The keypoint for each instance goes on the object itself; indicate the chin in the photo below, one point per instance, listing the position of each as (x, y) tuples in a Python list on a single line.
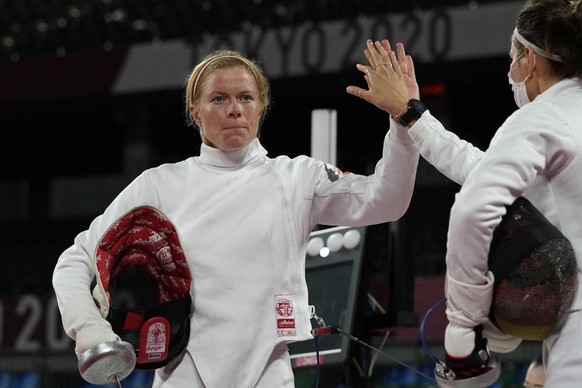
[(235, 145)]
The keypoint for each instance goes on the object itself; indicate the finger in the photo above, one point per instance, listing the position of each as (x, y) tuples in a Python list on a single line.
[(368, 56), (394, 62), (367, 78), (402, 57), (376, 57), (410, 66), (356, 91), (369, 53), (381, 48), (386, 45), (363, 68)]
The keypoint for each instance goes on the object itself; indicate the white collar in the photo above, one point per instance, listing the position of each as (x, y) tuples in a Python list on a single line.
[(232, 159)]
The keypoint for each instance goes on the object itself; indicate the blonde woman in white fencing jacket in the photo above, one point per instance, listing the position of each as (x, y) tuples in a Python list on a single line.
[(244, 220)]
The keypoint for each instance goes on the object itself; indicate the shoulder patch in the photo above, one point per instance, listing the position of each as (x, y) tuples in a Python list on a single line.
[(333, 173)]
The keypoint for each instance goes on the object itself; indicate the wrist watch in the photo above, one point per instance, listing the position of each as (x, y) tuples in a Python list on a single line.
[(415, 110)]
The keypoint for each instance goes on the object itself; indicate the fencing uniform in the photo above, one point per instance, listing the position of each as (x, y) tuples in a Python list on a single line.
[(537, 153), (244, 220)]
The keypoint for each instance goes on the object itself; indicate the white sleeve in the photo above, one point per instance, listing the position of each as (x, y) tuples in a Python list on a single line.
[(354, 199), (524, 148), (453, 157), (75, 271)]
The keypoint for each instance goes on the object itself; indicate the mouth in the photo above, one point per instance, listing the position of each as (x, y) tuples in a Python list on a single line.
[(235, 128)]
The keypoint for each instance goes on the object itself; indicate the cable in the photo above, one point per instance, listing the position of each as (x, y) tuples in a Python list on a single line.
[(375, 356), (317, 358), (358, 367), (442, 370), (337, 330), (423, 337), (327, 330), (317, 332)]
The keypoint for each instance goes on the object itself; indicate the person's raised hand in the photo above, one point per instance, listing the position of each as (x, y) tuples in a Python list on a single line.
[(388, 87), (407, 68)]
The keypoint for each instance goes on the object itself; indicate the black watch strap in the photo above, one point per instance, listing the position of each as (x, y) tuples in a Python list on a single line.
[(415, 110)]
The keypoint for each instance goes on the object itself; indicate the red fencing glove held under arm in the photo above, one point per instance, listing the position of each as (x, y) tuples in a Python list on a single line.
[(88, 327)]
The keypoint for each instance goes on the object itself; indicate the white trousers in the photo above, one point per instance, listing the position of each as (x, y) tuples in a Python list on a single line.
[(182, 373)]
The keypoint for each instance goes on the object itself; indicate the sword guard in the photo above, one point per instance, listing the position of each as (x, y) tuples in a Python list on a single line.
[(107, 363), (446, 378)]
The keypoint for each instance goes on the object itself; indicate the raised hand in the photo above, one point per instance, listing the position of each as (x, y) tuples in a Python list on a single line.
[(407, 68), (391, 81)]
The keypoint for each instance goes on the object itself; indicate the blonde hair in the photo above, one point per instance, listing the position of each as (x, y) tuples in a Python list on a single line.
[(224, 59)]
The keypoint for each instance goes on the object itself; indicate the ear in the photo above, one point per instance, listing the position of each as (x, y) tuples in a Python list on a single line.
[(530, 54), (194, 115)]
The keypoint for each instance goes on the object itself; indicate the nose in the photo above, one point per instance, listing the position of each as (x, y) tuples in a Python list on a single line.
[(234, 109)]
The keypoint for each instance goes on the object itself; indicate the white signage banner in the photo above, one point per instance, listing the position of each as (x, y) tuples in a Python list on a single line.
[(433, 35)]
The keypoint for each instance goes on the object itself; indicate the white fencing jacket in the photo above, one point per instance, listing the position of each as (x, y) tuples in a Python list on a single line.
[(537, 153), (244, 220)]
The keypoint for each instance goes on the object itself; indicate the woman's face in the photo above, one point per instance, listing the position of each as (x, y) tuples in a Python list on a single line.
[(229, 110), (535, 377)]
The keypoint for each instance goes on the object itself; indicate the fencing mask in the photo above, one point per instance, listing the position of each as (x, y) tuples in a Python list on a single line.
[(535, 273), (144, 276)]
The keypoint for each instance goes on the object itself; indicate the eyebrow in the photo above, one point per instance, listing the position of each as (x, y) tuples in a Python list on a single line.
[(237, 93)]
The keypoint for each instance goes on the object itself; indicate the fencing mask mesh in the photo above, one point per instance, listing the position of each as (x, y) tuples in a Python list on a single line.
[(145, 276), (535, 273)]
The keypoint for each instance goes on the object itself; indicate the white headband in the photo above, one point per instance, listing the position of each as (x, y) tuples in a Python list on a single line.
[(535, 48), (245, 61)]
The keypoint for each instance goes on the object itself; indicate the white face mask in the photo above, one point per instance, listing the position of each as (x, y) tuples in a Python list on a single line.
[(519, 89)]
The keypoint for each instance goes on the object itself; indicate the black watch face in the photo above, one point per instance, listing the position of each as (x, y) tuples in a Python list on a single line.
[(417, 106), (415, 110)]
